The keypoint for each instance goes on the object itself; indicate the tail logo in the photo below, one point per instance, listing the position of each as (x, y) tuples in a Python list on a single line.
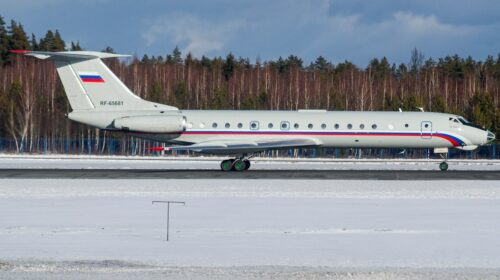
[(90, 77)]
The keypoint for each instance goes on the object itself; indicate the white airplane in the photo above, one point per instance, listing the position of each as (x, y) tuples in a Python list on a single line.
[(99, 99)]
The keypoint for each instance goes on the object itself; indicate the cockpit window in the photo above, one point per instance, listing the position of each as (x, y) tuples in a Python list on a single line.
[(467, 123)]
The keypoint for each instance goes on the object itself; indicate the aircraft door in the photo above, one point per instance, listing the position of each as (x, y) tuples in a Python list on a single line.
[(426, 130)]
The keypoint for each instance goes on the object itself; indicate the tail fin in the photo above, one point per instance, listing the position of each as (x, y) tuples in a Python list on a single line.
[(90, 84)]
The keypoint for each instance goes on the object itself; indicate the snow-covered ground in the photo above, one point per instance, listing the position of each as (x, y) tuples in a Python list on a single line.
[(249, 229), (119, 162)]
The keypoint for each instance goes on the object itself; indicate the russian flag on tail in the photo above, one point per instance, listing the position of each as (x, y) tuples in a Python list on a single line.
[(90, 77)]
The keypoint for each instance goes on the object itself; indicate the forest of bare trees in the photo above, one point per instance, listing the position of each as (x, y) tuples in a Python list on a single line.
[(33, 104)]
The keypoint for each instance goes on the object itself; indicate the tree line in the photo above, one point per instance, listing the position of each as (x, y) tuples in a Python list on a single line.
[(33, 104)]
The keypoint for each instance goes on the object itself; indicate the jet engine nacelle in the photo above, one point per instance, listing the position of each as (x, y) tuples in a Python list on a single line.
[(152, 124)]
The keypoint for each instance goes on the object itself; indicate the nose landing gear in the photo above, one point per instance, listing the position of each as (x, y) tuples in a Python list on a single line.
[(237, 164), (444, 165), (443, 152)]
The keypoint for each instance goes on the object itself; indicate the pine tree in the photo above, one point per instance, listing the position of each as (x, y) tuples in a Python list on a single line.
[(145, 59), (322, 64), (176, 55), (482, 110), (18, 39), (75, 47), (34, 43), (228, 67), (59, 44), (206, 62), (52, 42), (4, 42), (108, 49), (293, 61), (47, 42), (416, 60)]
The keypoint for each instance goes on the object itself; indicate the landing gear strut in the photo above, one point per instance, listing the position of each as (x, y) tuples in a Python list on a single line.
[(443, 152), (237, 164), (444, 165)]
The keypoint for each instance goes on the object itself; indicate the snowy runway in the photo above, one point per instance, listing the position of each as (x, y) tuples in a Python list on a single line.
[(246, 228)]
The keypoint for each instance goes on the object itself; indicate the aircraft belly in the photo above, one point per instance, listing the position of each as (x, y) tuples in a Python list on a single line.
[(341, 141), (383, 142), (197, 138)]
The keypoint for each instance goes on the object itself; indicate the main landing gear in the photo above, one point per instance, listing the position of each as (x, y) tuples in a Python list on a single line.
[(236, 164)]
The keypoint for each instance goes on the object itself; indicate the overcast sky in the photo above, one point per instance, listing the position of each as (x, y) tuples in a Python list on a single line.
[(338, 30)]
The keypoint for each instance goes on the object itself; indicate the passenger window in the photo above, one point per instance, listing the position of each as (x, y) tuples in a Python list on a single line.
[(227, 125), (310, 126), (240, 125), (336, 126), (349, 126), (361, 126), (426, 125), (214, 125), (254, 125), (374, 126), (285, 125), (323, 126), (270, 125), (406, 125), (296, 125)]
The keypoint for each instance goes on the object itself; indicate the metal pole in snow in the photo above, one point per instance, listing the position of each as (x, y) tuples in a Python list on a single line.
[(168, 219), (168, 211)]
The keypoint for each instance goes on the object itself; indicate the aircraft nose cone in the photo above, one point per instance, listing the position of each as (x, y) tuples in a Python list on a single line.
[(491, 137)]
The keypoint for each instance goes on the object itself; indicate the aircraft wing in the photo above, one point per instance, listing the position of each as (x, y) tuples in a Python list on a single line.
[(245, 146)]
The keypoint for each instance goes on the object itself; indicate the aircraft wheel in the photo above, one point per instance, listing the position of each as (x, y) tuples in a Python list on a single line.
[(239, 165), (226, 165), (443, 166), (247, 164)]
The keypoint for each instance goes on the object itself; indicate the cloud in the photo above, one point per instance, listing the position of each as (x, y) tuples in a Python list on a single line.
[(309, 28), (351, 37), (426, 24), (191, 33)]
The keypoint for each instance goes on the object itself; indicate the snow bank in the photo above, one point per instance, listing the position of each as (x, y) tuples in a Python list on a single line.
[(118, 162)]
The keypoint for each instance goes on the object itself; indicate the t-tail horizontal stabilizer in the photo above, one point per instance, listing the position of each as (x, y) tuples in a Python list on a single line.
[(91, 86)]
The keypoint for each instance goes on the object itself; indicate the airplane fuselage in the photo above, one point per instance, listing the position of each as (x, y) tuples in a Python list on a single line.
[(343, 129)]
